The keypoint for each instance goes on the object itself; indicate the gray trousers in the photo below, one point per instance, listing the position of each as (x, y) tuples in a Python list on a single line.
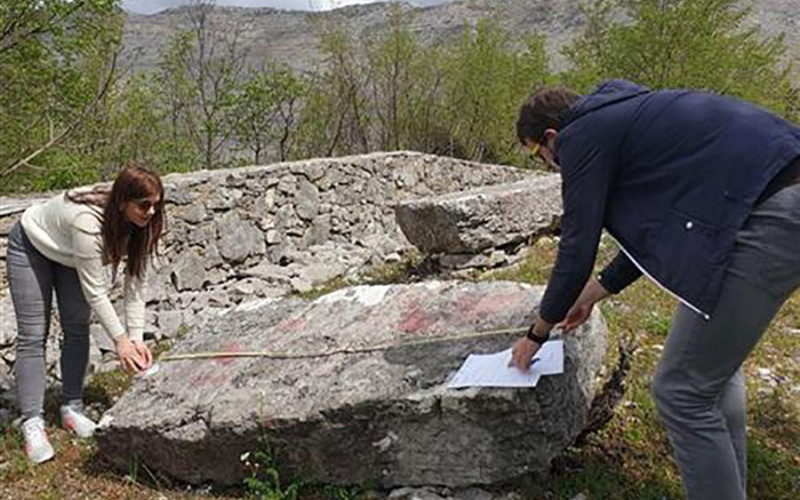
[(699, 387), (32, 277)]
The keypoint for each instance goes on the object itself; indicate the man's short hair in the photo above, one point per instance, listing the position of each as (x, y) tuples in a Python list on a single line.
[(544, 109)]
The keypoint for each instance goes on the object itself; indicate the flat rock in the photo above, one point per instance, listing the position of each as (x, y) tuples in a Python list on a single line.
[(269, 272), (365, 398), (189, 272), (8, 321), (473, 221), (238, 238)]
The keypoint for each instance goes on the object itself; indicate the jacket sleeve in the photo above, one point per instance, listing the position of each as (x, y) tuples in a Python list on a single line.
[(619, 273), (586, 170)]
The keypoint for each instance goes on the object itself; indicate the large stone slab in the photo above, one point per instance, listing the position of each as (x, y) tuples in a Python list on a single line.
[(380, 412), (473, 221)]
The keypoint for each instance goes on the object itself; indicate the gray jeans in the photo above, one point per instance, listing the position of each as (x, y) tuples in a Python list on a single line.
[(699, 387), (32, 277)]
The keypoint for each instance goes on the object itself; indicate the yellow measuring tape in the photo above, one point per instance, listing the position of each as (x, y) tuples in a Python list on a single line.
[(346, 350)]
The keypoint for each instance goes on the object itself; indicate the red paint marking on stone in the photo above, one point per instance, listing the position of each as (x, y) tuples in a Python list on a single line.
[(213, 377), (492, 304), (201, 380), (219, 378), (466, 304), (416, 320), (228, 347), (291, 325)]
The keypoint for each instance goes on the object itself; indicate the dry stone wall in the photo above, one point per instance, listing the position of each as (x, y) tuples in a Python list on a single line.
[(260, 232)]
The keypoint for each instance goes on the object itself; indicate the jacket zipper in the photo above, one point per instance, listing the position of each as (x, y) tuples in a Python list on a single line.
[(685, 302)]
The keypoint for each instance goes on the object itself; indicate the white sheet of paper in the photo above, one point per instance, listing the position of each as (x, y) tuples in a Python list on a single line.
[(492, 370)]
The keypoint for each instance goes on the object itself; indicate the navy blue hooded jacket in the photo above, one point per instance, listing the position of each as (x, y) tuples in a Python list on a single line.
[(672, 175)]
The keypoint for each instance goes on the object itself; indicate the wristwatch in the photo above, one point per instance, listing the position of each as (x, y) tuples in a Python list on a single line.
[(531, 335)]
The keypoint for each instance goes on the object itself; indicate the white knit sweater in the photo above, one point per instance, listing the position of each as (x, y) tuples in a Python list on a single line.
[(69, 233)]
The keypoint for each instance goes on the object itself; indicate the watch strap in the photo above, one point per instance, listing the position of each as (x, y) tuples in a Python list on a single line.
[(531, 335)]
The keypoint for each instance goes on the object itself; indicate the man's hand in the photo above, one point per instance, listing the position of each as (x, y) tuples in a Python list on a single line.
[(580, 311), (522, 353), (577, 315), (129, 356)]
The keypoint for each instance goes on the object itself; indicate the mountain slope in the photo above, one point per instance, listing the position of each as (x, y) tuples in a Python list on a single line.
[(290, 36)]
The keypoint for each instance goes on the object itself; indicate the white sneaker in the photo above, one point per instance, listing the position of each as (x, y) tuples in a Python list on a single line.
[(37, 446), (77, 422)]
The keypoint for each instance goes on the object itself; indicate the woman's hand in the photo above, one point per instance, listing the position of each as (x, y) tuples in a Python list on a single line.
[(129, 355), (144, 352)]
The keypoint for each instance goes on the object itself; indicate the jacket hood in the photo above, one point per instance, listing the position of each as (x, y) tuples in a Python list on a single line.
[(605, 94)]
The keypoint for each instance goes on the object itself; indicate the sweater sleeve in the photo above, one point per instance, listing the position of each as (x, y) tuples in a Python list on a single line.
[(134, 307), (586, 171), (92, 274)]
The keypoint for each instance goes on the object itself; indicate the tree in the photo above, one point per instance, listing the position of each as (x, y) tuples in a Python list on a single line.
[(697, 44), (133, 126), (57, 64), (486, 81), (335, 118), (405, 87), (266, 108), (199, 74)]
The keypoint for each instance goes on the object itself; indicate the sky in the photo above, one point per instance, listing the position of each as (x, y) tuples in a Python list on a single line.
[(152, 6)]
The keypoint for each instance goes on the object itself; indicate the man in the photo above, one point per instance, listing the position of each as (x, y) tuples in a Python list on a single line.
[(701, 193)]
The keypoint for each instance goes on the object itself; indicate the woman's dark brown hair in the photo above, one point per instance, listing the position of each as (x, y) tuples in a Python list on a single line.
[(122, 238)]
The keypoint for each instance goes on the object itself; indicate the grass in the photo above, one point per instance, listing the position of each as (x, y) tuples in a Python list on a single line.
[(629, 459)]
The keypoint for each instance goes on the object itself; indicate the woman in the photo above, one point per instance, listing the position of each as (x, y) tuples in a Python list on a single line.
[(64, 245)]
